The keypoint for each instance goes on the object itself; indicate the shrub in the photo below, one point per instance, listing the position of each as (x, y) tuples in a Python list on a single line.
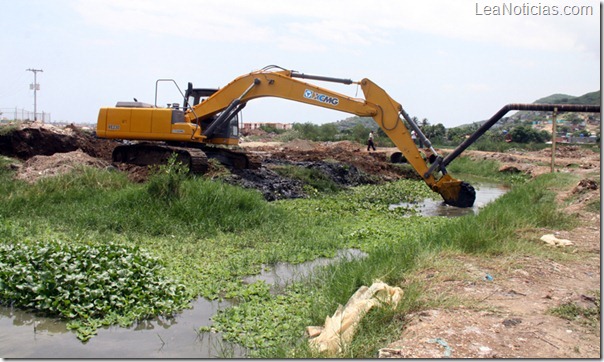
[(166, 180)]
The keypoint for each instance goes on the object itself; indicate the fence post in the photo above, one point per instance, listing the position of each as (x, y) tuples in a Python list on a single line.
[(554, 131)]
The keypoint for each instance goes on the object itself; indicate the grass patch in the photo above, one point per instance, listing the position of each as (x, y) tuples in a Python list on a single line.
[(589, 316), (485, 168)]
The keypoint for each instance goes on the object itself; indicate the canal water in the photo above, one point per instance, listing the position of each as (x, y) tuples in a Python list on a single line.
[(25, 335), (485, 193)]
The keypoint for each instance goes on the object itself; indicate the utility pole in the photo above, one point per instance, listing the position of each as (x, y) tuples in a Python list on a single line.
[(554, 131), (35, 87)]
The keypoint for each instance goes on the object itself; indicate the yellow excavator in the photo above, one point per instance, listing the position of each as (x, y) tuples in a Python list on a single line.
[(209, 117)]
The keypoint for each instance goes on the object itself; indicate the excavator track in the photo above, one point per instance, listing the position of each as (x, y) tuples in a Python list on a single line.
[(195, 156), (233, 158), (149, 153)]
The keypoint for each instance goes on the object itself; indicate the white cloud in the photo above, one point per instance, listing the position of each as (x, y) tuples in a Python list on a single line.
[(351, 22)]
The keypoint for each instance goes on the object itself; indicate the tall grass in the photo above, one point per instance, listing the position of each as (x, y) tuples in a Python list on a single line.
[(107, 201)]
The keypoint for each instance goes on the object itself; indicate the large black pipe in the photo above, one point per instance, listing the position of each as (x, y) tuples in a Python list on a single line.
[(516, 107)]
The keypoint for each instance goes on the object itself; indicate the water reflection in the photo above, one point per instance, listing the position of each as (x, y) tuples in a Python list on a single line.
[(281, 274), (25, 335)]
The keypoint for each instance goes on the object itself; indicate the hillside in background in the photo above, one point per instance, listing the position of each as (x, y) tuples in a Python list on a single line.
[(588, 98), (350, 122), (522, 116)]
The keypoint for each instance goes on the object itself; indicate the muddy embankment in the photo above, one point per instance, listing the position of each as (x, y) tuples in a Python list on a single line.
[(46, 150)]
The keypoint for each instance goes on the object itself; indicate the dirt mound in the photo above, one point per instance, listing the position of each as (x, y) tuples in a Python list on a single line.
[(44, 166), (300, 145), (31, 139), (350, 153), (567, 151)]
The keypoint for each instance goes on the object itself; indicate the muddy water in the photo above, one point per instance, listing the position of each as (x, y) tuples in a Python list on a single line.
[(25, 335), (283, 273), (485, 193)]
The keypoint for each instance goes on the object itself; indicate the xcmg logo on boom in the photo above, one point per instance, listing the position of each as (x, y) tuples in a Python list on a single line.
[(334, 101)]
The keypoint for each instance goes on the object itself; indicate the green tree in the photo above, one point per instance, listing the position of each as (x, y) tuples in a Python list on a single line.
[(424, 123), (327, 132), (526, 134), (435, 133), (359, 133), (308, 131)]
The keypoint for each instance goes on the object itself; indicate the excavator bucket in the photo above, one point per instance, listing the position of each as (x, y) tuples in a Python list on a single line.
[(455, 192)]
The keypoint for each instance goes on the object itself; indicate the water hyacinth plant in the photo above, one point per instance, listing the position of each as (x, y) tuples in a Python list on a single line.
[(90, 285)]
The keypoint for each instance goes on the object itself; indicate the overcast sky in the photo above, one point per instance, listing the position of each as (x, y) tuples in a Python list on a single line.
[(452, 62)]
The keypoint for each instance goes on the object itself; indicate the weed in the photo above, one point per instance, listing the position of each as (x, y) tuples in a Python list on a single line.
[(208, 235), (166, 180), (589, 316)]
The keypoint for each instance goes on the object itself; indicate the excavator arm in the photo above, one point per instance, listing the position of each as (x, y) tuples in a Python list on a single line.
[(386, 112)]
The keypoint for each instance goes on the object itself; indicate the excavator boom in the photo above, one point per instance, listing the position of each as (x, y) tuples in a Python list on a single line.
[(210, 120), (386, 112)]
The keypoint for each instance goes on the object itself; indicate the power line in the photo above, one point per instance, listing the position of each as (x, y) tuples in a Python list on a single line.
[(35, 87)]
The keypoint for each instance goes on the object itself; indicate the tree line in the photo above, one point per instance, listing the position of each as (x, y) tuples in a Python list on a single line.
[(357, 129)]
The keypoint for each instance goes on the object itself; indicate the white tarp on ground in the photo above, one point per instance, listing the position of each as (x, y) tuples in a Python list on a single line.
[(339, 329)]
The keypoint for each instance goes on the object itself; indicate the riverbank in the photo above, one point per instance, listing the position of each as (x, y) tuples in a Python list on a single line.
[(537, 303)]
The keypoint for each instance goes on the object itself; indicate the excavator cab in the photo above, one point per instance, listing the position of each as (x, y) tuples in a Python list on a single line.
[(227, 133)]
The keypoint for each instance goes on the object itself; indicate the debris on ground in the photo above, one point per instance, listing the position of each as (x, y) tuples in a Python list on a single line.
[(552, 240), (585, 185), (504, 318), (343, 162), (339, 329)]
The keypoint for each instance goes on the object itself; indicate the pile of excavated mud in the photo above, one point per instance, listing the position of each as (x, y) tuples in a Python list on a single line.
[(60, 163), (268, 182), (30, 139), (346, 152)]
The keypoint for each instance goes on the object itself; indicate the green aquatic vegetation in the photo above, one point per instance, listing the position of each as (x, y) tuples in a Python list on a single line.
[(265, 322), (89, 285), (209, 237)]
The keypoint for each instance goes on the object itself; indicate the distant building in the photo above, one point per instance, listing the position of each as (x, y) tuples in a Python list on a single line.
[(251, 126)]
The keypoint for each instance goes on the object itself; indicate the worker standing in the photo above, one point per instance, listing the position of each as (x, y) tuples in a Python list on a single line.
[(370, 142)]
